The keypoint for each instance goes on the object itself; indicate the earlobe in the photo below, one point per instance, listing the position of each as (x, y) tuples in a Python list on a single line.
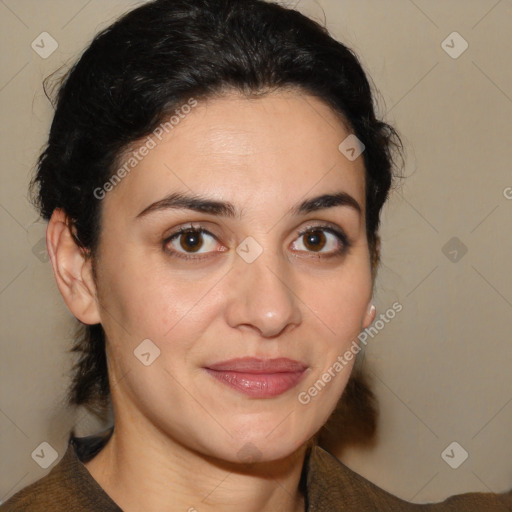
[(72, 269), (370, 315)]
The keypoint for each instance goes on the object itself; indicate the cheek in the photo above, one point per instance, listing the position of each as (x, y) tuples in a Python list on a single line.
[(341, 302), (148, 301)]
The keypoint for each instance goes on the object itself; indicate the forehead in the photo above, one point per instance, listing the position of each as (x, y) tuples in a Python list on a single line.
[(280, 146)]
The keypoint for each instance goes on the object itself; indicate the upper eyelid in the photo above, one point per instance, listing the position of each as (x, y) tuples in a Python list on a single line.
[(200, 228)]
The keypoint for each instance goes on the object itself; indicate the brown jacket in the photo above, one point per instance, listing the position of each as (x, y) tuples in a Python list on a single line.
[(329, 486)]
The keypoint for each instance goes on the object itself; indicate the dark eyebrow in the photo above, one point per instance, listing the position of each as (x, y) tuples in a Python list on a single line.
[(180, 201), (326, 201), (226, 209)]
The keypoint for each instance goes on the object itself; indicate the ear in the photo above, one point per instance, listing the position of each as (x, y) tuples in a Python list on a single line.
[(72, 269), (369, 316)]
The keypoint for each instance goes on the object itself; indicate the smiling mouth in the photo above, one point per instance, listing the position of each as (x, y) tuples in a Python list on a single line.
[(259, 378)]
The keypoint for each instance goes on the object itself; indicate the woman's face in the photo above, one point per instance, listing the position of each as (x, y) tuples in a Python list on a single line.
[(216, 335)]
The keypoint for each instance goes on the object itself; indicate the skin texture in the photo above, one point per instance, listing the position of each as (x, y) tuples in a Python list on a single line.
[(180, 434)]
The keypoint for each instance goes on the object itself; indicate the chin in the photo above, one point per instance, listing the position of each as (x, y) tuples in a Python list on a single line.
[(257, 451), (266, 442)]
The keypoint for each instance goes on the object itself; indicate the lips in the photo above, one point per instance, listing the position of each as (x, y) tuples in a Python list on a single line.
[(256, 366), (259, 378)]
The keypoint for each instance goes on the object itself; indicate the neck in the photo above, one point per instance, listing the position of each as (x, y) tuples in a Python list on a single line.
[(141, 468)]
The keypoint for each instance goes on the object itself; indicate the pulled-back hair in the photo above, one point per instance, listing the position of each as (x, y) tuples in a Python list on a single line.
[(139, 70)]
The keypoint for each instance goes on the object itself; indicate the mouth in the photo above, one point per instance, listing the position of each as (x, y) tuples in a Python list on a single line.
[(259, 378)]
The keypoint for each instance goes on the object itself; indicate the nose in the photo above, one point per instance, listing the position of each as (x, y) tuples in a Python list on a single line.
[(262, 298)]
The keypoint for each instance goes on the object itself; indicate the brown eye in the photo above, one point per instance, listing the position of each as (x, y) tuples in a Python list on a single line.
[(323, 240), (191, 240), (315, 240)]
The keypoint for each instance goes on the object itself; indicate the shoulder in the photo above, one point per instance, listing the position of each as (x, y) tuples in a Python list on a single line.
[(68, 486), (49, 493), (333, 486)]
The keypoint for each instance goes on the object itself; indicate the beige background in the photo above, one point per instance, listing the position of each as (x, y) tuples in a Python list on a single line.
[(442, 367)]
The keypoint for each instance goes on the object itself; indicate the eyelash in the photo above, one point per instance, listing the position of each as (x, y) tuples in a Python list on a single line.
[(338, 233)]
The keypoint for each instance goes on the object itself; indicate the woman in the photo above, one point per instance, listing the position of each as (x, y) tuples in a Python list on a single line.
[(213, 182)]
